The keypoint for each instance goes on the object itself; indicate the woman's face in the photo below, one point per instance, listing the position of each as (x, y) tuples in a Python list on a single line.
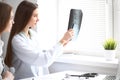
[(34, 19), (10, 23)]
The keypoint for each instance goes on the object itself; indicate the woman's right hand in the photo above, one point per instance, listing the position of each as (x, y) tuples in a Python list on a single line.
[(67, 37), (8, 76)]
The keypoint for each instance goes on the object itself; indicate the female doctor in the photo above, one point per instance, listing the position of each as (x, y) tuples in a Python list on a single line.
[(23, 50), (6, 21)]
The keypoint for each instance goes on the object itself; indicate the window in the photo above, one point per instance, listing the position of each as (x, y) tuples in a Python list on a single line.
[(97, 24)]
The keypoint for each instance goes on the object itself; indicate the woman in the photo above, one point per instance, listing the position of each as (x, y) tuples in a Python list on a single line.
[(23, 51), (6, 21)]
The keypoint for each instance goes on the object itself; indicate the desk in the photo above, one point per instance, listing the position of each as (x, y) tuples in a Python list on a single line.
[(62, 76)]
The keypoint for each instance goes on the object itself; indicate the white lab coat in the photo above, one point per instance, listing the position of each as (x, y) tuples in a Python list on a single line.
[(28, 58), (1, 58)]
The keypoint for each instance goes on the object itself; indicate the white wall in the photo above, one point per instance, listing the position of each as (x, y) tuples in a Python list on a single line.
[(117, 22), (58, 66), (14, 3)]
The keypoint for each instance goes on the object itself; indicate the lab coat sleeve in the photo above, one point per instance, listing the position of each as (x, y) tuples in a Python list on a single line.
[(30, 55)]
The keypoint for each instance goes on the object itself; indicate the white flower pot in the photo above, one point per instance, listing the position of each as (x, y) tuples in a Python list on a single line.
[(109, 54)]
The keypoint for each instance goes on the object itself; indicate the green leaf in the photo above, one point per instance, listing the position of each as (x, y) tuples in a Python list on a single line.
[(110, 44)]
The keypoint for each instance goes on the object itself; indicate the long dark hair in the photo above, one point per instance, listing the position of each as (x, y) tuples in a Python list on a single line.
[(22, 16), (5, 11)]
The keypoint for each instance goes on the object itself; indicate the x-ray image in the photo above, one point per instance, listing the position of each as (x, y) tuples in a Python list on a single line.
[(75, 19)]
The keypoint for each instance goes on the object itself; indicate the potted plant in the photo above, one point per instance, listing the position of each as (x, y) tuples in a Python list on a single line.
[(110, 48)]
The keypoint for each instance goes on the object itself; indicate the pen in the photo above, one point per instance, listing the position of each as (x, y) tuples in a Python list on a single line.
[(84, 75)]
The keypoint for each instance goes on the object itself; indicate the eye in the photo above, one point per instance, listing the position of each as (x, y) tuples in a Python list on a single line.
[(35, 15)]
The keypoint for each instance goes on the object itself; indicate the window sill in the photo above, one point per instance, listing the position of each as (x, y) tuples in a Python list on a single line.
[(87, 60), (85, 63)]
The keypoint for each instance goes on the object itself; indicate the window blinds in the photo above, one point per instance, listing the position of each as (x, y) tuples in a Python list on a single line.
[(97, 24)]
